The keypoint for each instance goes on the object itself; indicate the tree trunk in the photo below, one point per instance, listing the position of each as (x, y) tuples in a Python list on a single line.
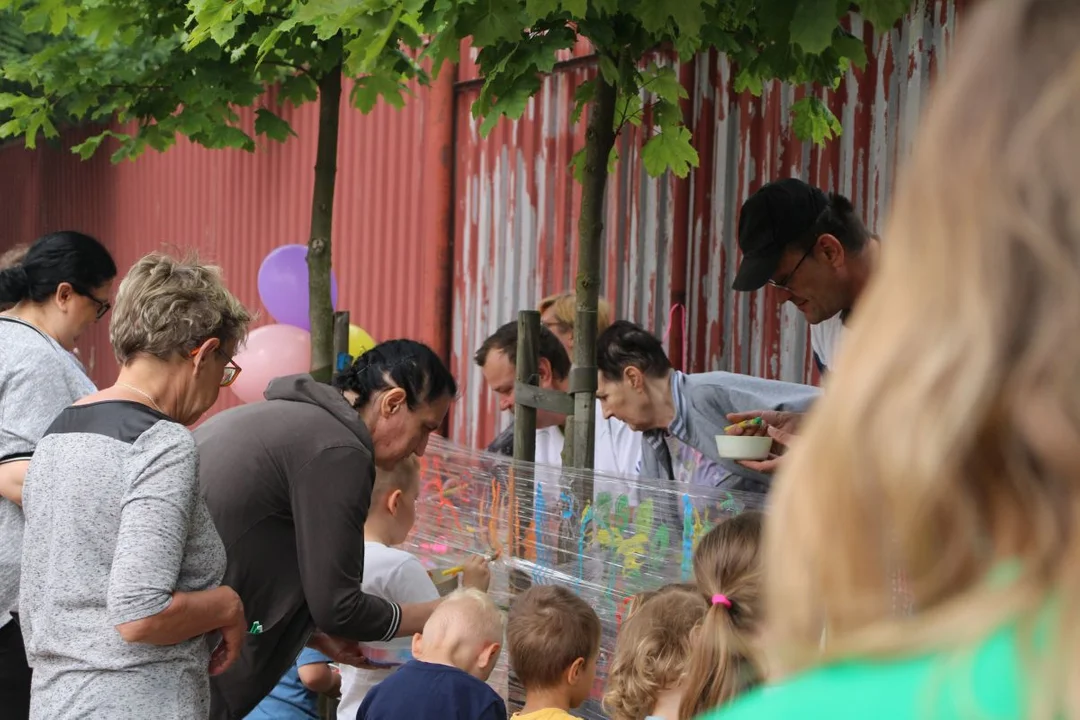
[(322, 217), (599, 140)]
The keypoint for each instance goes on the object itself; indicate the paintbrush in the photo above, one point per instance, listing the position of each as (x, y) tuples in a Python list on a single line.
[(457, 569), (746, 423)]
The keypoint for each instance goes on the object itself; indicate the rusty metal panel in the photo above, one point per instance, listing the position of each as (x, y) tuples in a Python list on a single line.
[(746, 141), (516, 203), (514, 207), (234, 207), (516, 230)]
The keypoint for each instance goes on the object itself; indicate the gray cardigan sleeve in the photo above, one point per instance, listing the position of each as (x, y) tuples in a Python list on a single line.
[(155, 518)]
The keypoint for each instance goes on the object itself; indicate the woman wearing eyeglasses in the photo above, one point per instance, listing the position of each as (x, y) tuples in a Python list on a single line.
[(122, 608), (50, 295)]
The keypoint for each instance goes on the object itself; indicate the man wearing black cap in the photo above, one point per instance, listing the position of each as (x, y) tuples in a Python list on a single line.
[(815, 252), (813, 249)]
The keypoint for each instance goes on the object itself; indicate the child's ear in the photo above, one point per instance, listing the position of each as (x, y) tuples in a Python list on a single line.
[(393, 500), (489, 656), (417, 645), (573, 675)]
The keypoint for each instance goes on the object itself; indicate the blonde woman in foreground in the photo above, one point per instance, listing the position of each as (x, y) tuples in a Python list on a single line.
[(947, 444)]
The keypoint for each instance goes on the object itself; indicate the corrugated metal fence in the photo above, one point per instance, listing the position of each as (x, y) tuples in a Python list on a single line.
[(442, 235), (672, 242)]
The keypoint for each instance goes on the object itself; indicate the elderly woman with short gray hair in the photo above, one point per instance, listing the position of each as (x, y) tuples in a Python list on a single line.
[(124, 614)]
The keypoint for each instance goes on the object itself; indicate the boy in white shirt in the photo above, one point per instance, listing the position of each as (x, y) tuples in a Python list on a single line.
[(395, 575)]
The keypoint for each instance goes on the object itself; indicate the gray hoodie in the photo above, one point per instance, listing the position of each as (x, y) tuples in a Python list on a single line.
[(288, 483)]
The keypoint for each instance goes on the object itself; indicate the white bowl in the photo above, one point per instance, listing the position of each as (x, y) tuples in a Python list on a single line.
[(744, 447)]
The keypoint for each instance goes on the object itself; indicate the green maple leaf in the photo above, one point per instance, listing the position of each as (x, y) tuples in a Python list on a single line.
[(689, 15), (850, 48), (490, 21), (89, 146), (628, 110), (665, 85), (537, 9), (101, 24), (583, 95), (298, 89), (368, 89), (813, 24), (813, 120), (654, 15), (576, 8), (272, 126), (669, 149), (748, 81), (883, 14)]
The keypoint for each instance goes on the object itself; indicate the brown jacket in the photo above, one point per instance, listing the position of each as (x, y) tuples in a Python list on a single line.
[(288, 483)]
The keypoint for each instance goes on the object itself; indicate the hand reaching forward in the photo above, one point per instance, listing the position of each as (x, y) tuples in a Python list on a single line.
[(780, 426), (340, 650)]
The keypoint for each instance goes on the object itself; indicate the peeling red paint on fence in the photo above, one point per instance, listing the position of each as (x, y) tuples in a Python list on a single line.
[(442, 235)]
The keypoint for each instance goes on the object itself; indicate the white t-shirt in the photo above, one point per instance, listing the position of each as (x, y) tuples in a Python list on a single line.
[(617, 452), (825, 339), (397, 576)]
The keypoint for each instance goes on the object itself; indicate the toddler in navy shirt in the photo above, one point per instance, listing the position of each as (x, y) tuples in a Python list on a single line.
[(454, 657)]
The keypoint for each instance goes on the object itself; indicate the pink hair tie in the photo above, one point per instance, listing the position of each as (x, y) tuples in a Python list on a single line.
[(719, 599)]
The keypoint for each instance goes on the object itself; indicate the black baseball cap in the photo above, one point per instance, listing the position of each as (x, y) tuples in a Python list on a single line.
[(778, 215)]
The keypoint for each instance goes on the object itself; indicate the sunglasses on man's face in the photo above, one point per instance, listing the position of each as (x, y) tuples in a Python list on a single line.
[(232, 370)]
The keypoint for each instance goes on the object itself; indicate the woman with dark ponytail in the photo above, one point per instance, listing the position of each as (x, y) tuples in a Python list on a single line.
[(726, 657), (288, 483), (59, 288)]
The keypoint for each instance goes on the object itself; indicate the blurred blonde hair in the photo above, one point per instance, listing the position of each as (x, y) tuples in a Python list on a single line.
[(167, 306), (726, 659), (404, 476), (564, 306), (466, 615), (948, 439), (652, 649)]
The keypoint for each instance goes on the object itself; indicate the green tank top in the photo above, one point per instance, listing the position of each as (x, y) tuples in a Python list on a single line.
[(988, 681)]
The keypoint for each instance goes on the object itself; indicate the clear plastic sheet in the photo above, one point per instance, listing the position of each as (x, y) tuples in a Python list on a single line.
[(605, 552)]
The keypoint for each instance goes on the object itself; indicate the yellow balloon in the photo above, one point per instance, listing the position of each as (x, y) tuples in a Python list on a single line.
[(359, 341)]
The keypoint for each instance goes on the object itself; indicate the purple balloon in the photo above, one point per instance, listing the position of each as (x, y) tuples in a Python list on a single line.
[(283, 286)]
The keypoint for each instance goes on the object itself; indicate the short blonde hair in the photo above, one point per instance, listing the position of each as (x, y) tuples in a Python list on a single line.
[(404, 476), (166, 306), (466, 613), (653, 649), (564, 305)]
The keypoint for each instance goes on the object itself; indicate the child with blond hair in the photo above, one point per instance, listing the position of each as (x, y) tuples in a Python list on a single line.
[(651, 654), (453, 658), (726, 659), (394, 574), (554, 641)]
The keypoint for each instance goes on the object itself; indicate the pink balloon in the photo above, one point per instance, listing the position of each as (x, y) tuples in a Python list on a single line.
[(271, 351)]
